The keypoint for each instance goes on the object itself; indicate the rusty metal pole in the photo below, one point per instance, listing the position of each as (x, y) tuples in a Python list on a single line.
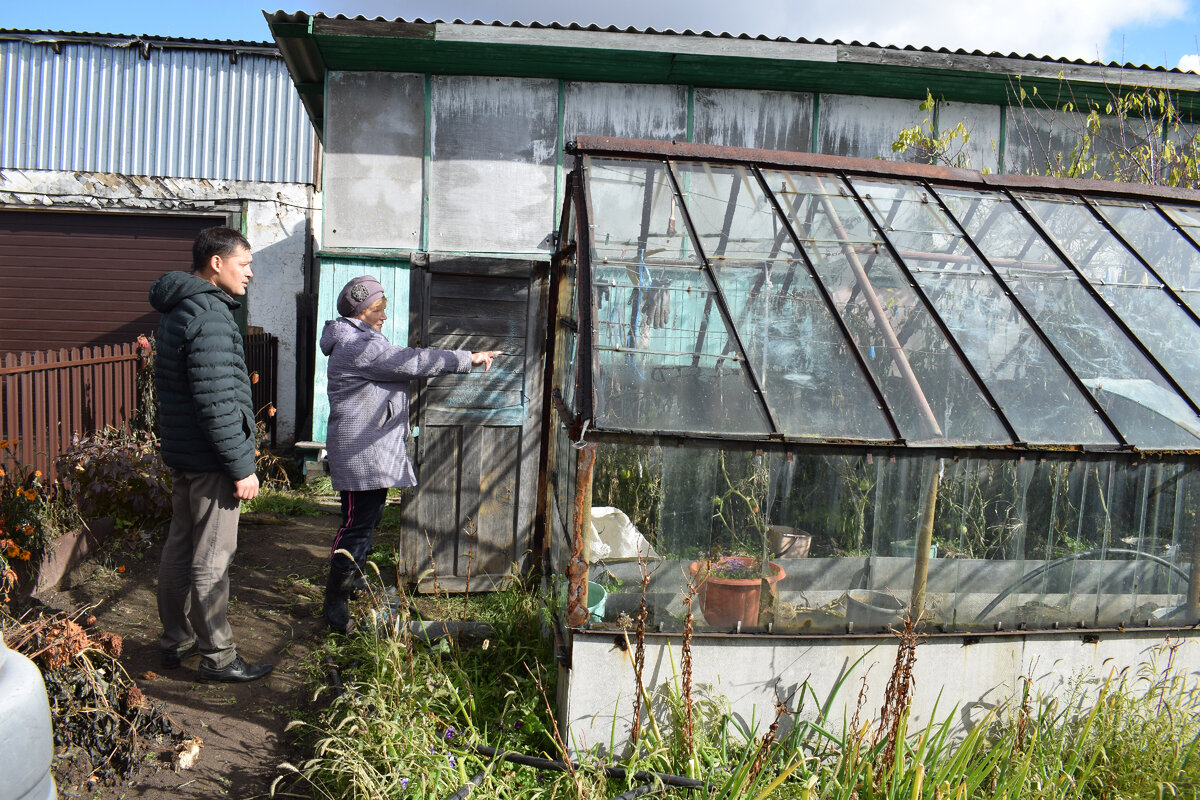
[(577, 570)]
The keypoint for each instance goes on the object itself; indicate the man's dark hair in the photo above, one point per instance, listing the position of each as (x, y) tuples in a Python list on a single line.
[(222, 242)]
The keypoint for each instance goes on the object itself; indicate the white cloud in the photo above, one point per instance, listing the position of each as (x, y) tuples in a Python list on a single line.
[(1189, 63), (1059, 28)]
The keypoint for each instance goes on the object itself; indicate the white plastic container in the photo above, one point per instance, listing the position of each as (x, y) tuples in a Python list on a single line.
[(26, 737)]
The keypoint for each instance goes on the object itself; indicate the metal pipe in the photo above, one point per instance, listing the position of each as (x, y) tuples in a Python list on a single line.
[(665, 778), (830, 305), (577, 569), (881, 320)]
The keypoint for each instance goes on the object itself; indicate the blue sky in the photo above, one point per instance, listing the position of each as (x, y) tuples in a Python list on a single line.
[(1155, 32)]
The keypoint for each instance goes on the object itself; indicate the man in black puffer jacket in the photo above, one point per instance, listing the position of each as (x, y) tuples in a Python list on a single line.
[(206, 420)]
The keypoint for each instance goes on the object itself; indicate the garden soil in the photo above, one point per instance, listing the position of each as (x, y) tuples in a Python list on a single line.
[(276, 585)]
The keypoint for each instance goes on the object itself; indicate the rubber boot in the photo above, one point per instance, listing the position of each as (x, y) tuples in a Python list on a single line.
[(337, 599)]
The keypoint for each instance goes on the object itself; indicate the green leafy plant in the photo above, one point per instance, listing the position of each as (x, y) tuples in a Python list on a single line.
[(119, 474)]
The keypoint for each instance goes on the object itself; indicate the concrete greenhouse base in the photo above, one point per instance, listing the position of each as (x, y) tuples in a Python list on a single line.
[(964, 676)]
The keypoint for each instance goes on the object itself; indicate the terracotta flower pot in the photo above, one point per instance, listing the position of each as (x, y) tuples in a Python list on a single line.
[(728, 601)]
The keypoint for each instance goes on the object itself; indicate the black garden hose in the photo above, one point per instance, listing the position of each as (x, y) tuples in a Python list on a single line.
[(664, 778), (1074, 557)]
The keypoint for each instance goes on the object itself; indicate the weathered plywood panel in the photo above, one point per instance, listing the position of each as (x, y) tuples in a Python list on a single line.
[(629, 111), (761, 120), (374, 151), (864, 127), (495, 144), (983, 124)]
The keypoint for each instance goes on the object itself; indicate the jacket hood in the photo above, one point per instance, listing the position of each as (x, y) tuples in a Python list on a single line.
[(339, 331), (174, 287)]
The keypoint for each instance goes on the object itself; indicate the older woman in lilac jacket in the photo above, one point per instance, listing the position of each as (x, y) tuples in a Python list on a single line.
[(368, 425)]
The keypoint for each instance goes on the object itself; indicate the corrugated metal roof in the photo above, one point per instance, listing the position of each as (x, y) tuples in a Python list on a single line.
[(151, 106), (283, 16)]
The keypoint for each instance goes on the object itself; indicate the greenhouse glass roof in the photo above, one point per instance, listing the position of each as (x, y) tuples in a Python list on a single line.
[(804, 298)]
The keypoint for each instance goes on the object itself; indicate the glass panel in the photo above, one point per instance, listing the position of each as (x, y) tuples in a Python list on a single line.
[(665, 360), (634, 219), (1019, 543), (930, 392), (1188, 220), (1173, 256), (1034, 392), (1140, 402), (1168, 332), (804, 365)]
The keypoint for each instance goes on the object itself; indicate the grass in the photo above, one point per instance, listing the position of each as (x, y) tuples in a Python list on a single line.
[(409, 716)]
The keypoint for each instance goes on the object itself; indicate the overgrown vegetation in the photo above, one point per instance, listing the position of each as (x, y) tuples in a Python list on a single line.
[(408, 720), (118, 473), (1136, 135)]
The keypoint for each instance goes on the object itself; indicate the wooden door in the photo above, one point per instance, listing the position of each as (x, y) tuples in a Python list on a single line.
[(470, 518)]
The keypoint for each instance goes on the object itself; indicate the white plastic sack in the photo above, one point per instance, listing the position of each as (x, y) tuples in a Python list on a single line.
[(613, 536)]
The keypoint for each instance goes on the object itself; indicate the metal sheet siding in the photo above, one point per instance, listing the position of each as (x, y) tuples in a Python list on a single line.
[(185, 113)]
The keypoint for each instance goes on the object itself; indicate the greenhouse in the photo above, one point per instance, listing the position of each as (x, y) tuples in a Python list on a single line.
[(808, 396)]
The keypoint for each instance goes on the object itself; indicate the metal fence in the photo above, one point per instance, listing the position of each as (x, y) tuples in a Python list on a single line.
[(47, 398), (262, 361)]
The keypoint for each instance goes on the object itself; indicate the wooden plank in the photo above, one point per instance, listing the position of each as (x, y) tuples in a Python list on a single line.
[(481, 267), (512, 416), (437, 500), (494, 378), (470, 468), (457, 585), (453, 326), (467, 308), (480, 397), (509, 345), (490, 289), (494, 545), (530, 443)]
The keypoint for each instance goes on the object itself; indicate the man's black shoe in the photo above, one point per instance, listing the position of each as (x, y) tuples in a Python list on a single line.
[(237, 671), (174, 660)]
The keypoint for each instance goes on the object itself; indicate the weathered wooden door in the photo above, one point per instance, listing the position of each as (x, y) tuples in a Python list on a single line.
[(470, 518)]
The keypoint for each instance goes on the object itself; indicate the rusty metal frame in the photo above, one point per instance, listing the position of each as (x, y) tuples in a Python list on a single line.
[(668, 153), (584, 402), (691, 151)]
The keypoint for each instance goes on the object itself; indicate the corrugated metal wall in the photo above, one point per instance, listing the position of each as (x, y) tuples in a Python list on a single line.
[(186, 113)]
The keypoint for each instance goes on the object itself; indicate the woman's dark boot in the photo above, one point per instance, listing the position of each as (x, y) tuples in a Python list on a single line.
[(337, 599)]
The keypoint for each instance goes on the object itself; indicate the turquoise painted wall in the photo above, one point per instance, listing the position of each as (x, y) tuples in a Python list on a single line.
[(393, 275)]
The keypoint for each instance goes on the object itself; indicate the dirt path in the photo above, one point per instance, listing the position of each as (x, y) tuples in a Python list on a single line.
[(275, 585)]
